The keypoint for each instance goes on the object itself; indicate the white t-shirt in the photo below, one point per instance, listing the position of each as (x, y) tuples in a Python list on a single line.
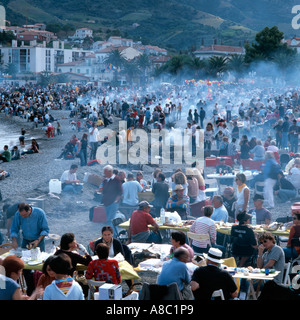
[(67, 176), (295, 177), (93, 137), (130, 192)]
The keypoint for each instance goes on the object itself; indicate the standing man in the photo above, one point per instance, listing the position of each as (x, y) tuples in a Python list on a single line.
[(93, 139), (228, 108), (294, 131), (34, 225), (202, 117), (111, 193), (160, 189)]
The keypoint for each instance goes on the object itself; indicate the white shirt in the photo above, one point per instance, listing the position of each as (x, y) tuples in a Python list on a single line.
[(68, 176), (93, 137), (130, 192)]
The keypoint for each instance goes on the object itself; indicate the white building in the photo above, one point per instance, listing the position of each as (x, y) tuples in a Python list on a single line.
[(38, 58), (83, 33)]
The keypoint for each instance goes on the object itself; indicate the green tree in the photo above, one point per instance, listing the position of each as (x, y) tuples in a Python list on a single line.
[(217, 65), (236, 63), (144, 64), (268, 43), (117, 60)]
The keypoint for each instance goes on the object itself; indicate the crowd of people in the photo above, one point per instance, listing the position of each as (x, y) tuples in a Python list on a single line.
[(240, 122)]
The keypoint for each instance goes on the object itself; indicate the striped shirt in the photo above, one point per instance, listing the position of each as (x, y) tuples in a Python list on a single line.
[(204, 225), (64, 285)]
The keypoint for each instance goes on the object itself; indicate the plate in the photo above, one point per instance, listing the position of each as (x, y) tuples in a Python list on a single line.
[(34, 262)]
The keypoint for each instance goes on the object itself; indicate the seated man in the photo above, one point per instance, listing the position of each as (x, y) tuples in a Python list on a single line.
[(228, 200), (179, 202), (69, 180), (205, 280), (263, 216), (138, 228), (284, 189), (5, 156), (220, 212), (175, 270)]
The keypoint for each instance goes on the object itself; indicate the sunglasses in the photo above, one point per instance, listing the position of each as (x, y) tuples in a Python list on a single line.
[(264, 241)]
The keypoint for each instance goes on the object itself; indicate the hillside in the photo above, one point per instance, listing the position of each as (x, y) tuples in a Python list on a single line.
[(179, 24)]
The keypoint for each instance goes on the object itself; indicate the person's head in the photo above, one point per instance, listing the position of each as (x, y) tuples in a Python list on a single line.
[(107, 233), (208, 211), (46, 269), (24, 209), (161, 177), (60, 264), (228, 193), (182, 254), (267, 239), (67, 241), (258, 201), (240, 179), (122, 174), (180, 178), (139, 175), (73, 168), (102, 251), (108, 171), (243, 217), (13, 266), (84, 136), (296, 218), (130, 176), (145, 206), (178, 238), (217, 201), (269, 155), (179, 191), (5, 147)]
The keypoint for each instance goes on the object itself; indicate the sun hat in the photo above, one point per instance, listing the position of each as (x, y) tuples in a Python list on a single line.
[(178, 187), (214, 255)]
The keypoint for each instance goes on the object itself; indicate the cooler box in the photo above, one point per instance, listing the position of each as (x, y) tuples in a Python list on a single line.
[(211, 161), (110, 291), (97, 214)]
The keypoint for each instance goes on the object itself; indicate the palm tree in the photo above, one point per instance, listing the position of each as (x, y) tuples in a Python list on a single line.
[(217, 65), (236, 63), (117, 60), (144, 64), (131, 70), (197, 65)]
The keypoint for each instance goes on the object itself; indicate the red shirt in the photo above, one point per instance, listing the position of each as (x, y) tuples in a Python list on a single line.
[(103, 270), (139, 221)]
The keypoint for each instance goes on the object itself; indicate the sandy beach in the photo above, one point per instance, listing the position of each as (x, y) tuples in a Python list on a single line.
[(30, 179)]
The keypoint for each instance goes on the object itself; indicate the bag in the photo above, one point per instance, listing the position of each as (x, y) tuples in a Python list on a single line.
[(97, 214)]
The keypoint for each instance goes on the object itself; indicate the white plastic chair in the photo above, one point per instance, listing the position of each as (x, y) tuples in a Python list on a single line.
[(133, 296), (93, 284), (198, 237), (218, 293)]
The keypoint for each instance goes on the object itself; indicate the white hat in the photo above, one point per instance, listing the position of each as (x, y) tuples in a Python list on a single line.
[(214, 255)]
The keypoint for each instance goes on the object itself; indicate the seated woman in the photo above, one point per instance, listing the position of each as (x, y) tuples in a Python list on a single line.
[(115, 246), (33, 149), (47, 274), (294, 252), (75, 251), (178, 239), (243, 239), (63, 287), (103, 269), (10, 288)]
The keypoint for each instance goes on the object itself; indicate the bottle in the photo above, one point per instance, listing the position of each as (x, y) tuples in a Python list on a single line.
[(53, 248), (254, 218), (162, 216)]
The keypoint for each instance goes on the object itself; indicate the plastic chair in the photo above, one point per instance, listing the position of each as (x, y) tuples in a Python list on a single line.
[(93, 286), (259, 187), (283, 220), (122, 235), (160, 292), (133, 296), (217, 294), (198, 237)]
